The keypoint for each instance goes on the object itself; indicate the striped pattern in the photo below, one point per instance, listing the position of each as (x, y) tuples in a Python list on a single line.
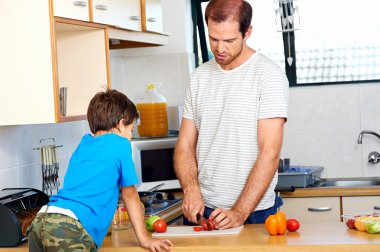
[(225, 106)]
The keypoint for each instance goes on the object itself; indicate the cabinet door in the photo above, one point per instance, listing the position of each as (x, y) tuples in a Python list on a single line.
[(359, 204), (315, 209), (74, 9), (119, 13), (82, 64), (153, 14), (26, 79)]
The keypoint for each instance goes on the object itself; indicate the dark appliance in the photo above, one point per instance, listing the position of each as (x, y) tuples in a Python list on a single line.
[(18, 207)]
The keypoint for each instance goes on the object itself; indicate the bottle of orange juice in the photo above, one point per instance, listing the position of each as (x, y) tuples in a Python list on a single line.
[(152, 107)]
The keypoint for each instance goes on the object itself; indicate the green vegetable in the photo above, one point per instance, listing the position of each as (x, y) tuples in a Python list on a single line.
[(372, 227)]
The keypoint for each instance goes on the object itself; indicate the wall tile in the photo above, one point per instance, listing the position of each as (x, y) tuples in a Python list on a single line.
[(341, 109), (8, 178), (343, 155), (369, 107), (305, 111), (8, 146), (306, 149), (132, 75), (25, 145), (30, 176)]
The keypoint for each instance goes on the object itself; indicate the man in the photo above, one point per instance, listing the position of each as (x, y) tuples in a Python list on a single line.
[(230, 139)]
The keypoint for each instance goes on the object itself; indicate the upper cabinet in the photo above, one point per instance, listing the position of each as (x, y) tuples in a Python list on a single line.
[(56, 55), (78, 9), (119, 13), (152, 15)]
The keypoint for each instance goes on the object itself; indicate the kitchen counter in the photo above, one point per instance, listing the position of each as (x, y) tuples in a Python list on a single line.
[(327, 236), (332, 191)]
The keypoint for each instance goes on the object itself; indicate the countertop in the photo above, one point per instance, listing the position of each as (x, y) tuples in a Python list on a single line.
[(332, 191), (327, 236)]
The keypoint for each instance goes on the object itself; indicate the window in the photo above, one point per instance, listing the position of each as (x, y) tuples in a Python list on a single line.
[(338, 40)]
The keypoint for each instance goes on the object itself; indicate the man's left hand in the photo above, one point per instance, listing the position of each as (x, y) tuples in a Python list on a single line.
[(224, 218)]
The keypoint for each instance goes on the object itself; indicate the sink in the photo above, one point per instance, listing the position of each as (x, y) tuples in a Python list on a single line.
[(350, 183)]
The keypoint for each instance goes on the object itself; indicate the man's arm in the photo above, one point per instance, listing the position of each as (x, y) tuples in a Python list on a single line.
[(186, 169), (270, 134)]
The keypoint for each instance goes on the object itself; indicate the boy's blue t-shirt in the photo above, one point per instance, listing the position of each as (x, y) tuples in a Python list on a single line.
[(97, 168)]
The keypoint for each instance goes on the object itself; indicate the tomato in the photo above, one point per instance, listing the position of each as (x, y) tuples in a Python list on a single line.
[(204, 225), (197, 228), (292, 225), (276, 224), (160, 226), (211, 224)]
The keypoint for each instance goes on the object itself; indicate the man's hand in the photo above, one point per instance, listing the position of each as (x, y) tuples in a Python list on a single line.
[(191, 205), (224, 218)]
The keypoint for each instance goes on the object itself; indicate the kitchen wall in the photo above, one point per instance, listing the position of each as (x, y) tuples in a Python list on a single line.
[(322, 129), (324, 124)]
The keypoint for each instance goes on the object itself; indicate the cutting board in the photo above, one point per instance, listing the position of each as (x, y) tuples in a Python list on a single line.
[(188, 231)]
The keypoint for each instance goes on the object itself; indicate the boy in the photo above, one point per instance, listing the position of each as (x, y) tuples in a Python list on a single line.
[(79, 215)]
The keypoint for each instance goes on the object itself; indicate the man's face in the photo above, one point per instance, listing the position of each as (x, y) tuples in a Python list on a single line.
[(226, 42)]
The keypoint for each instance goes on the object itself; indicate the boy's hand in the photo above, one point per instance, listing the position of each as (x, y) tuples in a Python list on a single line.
[(157, 245)]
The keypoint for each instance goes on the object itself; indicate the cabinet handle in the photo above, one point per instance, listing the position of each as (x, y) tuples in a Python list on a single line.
[(101, 7), (134, 18), (80, 3), (376, 207), (319, 209), (152, 19)]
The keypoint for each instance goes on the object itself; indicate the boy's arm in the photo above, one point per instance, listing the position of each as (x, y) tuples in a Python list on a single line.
[(132, 203), (135, 211)]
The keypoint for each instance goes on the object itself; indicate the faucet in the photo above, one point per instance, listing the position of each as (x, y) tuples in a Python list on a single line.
[(373, 157)]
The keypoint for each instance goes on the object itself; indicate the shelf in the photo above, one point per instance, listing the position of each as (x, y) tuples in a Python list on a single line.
[(122, 38)]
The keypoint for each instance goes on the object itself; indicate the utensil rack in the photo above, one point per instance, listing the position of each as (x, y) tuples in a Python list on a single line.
[(49, 166)]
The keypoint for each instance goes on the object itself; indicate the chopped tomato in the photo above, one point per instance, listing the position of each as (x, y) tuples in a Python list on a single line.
[(197, 228)]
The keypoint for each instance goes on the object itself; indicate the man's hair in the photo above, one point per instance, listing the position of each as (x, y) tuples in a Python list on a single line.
[(225, 10), (107, 108)]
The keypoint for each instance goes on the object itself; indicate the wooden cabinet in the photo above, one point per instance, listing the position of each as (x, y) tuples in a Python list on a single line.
[(82, 64), (74, 9), (125, 14), (360, 204), (49, 45), (42, 54), (152, 21), (312, 209)]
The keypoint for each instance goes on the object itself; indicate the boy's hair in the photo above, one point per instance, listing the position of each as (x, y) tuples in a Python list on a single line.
[(224, 10), (107, 108)]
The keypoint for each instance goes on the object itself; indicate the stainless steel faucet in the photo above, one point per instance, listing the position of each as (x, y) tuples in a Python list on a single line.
[(366, 132), (373, 157)]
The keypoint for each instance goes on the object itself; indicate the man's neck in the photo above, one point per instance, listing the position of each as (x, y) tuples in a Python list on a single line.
[(245, 54)]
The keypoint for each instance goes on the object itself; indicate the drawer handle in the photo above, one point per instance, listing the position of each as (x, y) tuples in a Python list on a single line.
[(101, 7), (152, 19), (134, 18), (80, 3), (319, 209), (376, 207)]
